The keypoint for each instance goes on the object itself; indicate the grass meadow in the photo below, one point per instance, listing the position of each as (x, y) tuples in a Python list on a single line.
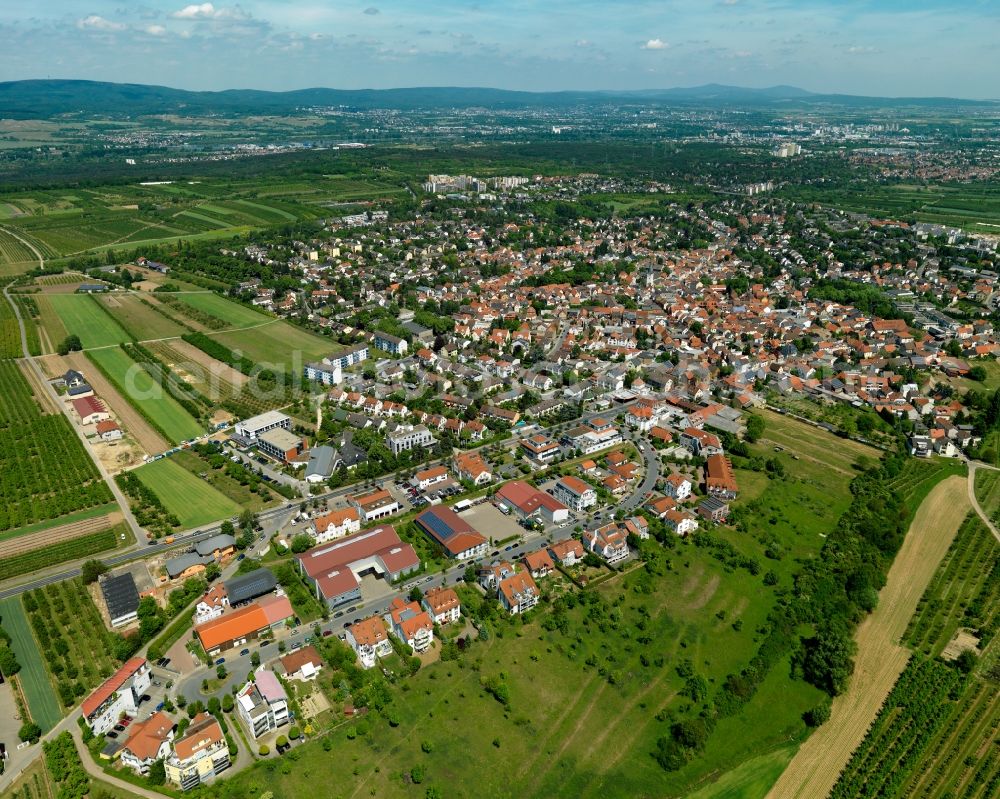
[(191, 499), (82, 315), (42, 700), (152, 400)]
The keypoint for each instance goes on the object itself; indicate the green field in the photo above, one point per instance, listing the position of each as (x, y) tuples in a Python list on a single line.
[(279, 343), (234, 314), (69, 549), (184, 494), (82, 315), (221, 481), (38, 690), (139, 320), (152, 400), (751, 779)]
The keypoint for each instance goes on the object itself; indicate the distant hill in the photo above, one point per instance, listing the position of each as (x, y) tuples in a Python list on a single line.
[(43, 99)]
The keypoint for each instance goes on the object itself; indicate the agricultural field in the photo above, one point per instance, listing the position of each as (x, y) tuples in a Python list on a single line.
[(15, 255), (880, 658), (71, 549), (10, 335), (224, 481), (79, 516), (935, 736), (137, 318), (76, 645), (82, 315), (38, 480), (279, 343), (192, 500), (40, 695), (151, 399), (232, 313), (819, 447), (974, 207), (963, 593), (29, 315)]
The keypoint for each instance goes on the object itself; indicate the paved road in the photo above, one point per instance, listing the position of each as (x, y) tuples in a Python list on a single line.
[(973, 467)]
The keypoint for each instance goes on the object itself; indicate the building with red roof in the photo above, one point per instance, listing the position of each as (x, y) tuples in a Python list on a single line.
[(334, 570), (527, 501), (244, 624), (458, 538), (90, 410), (117, 695)]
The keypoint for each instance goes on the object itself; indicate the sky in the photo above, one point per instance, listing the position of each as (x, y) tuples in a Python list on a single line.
[(874, 47)]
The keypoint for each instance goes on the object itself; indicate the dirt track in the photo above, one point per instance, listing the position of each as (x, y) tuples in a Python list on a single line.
[(816, 766), (64, 532), (147, 438)]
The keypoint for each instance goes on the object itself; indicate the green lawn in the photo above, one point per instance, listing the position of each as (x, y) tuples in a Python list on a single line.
[(751, 779), (184, 494), (81, 315), (69, 518), (37, 689), (140, 390)]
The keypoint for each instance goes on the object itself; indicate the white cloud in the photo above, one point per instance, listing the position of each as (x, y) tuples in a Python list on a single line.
[(371, 11), (196, 11), (859, 50), (584, 43), (155, 30), (96, 23), (655, 44)]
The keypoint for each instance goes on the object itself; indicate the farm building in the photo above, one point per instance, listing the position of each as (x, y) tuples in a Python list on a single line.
[(108, 430), (121, 598), (90, 410)]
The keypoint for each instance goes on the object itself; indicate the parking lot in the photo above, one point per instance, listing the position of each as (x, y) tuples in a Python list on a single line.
[(489, 521)]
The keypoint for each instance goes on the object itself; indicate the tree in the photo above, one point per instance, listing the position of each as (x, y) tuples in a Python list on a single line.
[(977, 373), (248, 519), (263, 750), (755, 428), (294, 733), (8, 661), (965, 662), (817, 716), (226, 528), (157, 773), (70, 344), (255, 658), (212, 571), (220, 671), (214, 705), (828, 658), (301, 543), (29, 732), (91, 570), (227, 703)]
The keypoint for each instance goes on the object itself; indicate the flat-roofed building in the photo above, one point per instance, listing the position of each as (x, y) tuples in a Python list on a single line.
[(121, 598), (251, 428), (375, 504), (281, 444)]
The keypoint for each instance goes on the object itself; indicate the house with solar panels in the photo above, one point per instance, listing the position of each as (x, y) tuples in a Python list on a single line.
[(458, 538)]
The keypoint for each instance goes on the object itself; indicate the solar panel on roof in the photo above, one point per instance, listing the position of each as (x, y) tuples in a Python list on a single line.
[(438, 526)]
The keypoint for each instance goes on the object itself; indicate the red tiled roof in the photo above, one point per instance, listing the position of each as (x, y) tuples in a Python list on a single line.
[(106, 689)]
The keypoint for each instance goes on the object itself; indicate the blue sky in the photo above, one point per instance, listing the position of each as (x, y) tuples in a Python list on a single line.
[(884, 47)]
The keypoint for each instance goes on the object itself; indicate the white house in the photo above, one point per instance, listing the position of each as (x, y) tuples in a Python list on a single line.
[(262, 704), (370, 640), (148, 741), (443, 604), (680, 522), (574, 493), (336, 524), (117, 695), (677, 487), (608, 542)]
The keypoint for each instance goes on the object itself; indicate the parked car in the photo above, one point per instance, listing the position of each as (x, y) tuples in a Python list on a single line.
[(220, 661), (264, 643), (119, 728), (244, 652), (327, 633), (113, 735)]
